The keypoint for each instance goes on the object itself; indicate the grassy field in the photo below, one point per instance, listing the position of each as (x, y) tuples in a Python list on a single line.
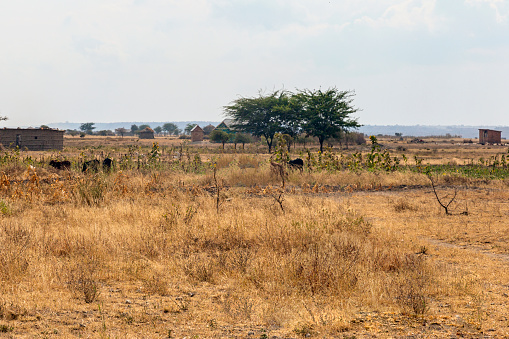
[(179, 240)]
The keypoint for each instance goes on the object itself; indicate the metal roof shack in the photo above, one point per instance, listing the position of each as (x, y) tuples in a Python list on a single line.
[(227, 126), (32, 139), (489, 136), (197, 134)]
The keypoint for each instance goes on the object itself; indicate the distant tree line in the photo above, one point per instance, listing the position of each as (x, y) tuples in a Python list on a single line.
[(324, 114), (167, 129)]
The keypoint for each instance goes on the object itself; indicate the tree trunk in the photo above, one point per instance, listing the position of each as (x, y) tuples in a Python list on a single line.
[(269, 144), (321, 144)]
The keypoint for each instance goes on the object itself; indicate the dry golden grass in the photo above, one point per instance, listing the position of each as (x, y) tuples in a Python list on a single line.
[(158, 253)]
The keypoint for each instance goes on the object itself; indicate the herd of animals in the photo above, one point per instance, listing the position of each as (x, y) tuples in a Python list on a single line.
[(95, 165), (88, 166)]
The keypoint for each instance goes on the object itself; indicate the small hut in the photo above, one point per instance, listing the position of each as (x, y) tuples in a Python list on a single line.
[(197, 134), (32, 139), (208, 129), (147, 133), (489, 136)]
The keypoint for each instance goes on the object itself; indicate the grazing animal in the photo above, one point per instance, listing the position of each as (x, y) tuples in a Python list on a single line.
[(297, 163), (61, 165), (91, 165), (107, 163)]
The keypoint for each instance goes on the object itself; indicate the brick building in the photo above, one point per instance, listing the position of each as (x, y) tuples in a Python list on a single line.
[(197, 134), (489, 136), (32, 139)]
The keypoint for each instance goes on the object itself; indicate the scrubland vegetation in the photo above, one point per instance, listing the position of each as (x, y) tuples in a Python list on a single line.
[(179, 241)]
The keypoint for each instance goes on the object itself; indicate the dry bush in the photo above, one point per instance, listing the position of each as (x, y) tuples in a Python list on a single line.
[(15, 254), (157, 231), (90, 190), (412, 286), (455, 180), (82, 279), (403, 205)]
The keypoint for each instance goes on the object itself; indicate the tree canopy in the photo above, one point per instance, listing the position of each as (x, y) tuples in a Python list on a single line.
[(327, 113), (169, 127), (87, 127), (219, 136), (121, 131), (322, 114), (188, 128), (264, 115), (241, 138)]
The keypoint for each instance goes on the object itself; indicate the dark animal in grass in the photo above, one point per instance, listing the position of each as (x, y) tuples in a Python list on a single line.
[(107, 163), (91, 166), (61, 165), (296, 163)]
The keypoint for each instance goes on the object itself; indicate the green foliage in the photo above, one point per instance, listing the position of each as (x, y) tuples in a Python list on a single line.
[(219, 136), (154, 154), (170, 128), (327, 113), (380, 159), (4, 208), (87, 127), (121, 131), (281, 151), (241, 138), (264, 115), (323, 114), (188, 128)]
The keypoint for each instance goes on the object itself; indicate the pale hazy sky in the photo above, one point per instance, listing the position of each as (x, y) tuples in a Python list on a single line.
[(409, 62)]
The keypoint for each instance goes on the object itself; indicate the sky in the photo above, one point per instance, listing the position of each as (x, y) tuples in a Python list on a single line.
[(427, 62)]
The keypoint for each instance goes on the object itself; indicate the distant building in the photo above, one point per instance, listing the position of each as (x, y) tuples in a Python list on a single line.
[(197, 134), (147, 133), (32, 139), (208, 129), (226, 126), (489, 136)]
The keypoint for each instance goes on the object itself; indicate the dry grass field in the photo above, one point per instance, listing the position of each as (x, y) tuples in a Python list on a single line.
[(191, 241)]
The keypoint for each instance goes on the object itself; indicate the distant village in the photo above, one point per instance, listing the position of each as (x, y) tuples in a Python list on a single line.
[(45, 138)]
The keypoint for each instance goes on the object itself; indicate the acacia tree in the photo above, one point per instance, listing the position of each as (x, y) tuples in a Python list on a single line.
[(264, 115), (218, 135), (169, 127), (121, 131), (87, 127), (241, 138), (327, 113)]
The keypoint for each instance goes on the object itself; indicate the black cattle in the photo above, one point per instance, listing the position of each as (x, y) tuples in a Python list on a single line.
[(297, 163), (61, 165), (107, 163), (91, 166)]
